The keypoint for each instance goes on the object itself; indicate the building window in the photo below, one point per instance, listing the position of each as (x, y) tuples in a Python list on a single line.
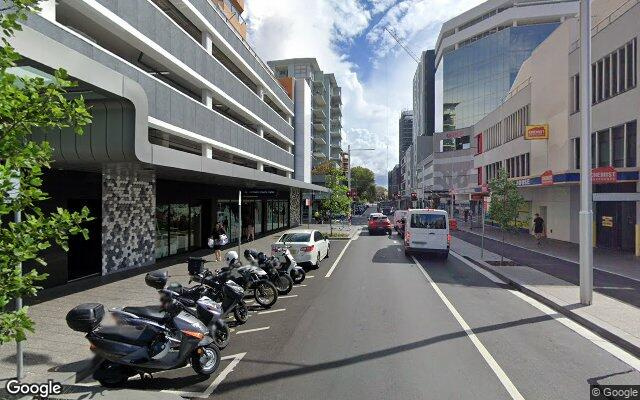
[(603, 148), (575, 93), (618, 146), (631, 143), (576, 152), (614, 73)]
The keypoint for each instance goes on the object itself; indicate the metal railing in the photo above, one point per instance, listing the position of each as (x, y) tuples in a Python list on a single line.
[(246, 44), (603, 23)]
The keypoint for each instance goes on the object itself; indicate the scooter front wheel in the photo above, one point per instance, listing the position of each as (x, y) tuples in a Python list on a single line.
[(221, 336), (298, 276), (205, 360), (265, 294), (241, 313), (284, 284), (111, 375)]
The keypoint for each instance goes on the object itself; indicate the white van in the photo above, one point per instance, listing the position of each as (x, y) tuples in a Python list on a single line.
[(427, 230)]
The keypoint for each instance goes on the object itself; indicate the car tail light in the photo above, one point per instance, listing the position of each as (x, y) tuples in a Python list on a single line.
[(449, 238), (307, 249), (407, 237)]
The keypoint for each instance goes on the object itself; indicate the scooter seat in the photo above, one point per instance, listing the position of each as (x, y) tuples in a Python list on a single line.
[(154, 313), (126, 334)]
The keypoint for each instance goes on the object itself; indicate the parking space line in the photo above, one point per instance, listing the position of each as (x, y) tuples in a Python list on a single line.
[(271, 311), (288, 296), (299, 285), (493, 364), (264, 328), (310, 276), (335, 263), (216, 382)]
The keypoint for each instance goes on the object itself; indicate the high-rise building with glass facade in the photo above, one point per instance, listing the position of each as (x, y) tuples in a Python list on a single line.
[(479, 53)]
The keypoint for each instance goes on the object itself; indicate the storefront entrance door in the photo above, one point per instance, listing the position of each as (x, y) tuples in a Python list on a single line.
[(615, 224)]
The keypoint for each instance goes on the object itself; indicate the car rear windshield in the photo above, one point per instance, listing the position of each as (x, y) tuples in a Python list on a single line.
[(295, 237), (428, 221), (378, 218)]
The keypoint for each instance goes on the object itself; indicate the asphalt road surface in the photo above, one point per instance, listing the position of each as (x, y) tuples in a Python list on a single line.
[(612, 285), (376, 325)]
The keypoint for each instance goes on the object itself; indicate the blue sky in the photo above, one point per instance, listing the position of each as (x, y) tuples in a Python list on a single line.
[(347, 37)]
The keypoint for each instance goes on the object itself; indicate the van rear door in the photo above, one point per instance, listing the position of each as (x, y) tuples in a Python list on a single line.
[(428, 230)]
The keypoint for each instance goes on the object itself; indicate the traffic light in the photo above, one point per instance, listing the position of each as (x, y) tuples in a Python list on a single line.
[(414, 196)]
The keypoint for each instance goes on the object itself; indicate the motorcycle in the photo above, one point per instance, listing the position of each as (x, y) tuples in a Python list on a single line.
[(250, 278), (227, 292), (168, 340), (288, 263), (195, 302), (280, 279)]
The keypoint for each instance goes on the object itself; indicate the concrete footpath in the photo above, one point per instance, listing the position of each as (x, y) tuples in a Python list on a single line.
[(56, 352), (613, 261), (614, 320)]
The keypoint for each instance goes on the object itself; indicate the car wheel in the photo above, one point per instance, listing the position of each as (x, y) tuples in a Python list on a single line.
[(317, 264), (326, 255)]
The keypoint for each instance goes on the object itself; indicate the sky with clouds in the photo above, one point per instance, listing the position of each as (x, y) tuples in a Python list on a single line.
[(348, 38)]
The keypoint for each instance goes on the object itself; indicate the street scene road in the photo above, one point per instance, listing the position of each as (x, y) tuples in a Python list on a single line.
[(378, 324)]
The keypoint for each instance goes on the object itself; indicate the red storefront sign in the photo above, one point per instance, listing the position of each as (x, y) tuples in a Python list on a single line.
[(546, 179), (604, 175)]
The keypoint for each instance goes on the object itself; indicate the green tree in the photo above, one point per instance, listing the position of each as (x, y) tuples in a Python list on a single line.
[(505, 203), (381, 193), (26, 104), (337, 202), (363, 181)]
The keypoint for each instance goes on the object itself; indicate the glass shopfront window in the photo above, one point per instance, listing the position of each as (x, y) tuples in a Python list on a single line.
[(162, 231), (257, 216), (178, 229), (228, 216)]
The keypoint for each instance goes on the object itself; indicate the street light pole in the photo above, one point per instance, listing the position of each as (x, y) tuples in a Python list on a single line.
[(586, 212), (349, 176)]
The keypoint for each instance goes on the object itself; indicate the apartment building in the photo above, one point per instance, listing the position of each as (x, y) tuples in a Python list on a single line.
[(546, 92), (393, 182), (326, 108), (405, 132), (185, 116)]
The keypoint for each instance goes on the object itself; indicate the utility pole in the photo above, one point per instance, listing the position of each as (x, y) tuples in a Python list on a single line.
[(586, 199)]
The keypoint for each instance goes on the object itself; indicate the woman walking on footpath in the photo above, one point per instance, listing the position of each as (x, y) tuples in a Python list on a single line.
[(217, 234), (538, 228)]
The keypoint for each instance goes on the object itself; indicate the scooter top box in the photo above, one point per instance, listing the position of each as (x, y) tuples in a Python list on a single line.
[(156, 279), (195, 265), (85, 317)]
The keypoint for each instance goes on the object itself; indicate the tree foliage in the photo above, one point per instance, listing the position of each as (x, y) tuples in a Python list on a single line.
[(28, 103), (505, 200), (381, 193), (363, 181), (337, 202)]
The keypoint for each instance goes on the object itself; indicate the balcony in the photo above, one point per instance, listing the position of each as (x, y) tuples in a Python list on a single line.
[(318, 99), (319, 127), (336, 111), (336, 124), (336, 92), (336, 145), (319, 155), (336, 133), (319, 139), (318, 84), (318, 114)]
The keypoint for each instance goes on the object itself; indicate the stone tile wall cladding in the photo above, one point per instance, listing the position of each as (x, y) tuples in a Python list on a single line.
[(294, 207), (128, 218)]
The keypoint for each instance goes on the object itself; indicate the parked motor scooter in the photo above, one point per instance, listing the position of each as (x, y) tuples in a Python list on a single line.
[(289, 264), (281, 279), (250, 278), (168, 340)]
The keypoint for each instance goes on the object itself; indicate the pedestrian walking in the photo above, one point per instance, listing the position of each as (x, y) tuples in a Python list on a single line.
[(217, 240), (538, 228)]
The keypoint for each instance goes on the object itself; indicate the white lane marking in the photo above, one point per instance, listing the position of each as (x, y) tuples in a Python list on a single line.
[(310, 276), (300, 286), (335, 263), (271, 311), (264, 328), (216, 382), (288, 296), (607, 346), (206, 393), (502, 376)]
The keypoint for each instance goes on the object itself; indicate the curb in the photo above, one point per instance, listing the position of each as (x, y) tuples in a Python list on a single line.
[(599, 329)]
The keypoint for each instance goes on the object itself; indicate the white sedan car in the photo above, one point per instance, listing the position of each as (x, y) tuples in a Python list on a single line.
[(307, 246)]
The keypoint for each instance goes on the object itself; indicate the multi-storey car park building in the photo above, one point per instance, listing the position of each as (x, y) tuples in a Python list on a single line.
[(546, 91), (478, 55), (185, 114), (326, 108)]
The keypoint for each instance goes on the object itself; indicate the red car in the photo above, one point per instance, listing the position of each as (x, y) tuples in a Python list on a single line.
[(379, 223)]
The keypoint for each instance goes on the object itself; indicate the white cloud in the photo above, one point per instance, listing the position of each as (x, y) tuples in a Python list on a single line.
[(314, 28)]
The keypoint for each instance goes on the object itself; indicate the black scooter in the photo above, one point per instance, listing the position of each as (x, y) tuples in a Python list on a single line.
[(227, 292), (195, 302), (171, 339), (280, 278)]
